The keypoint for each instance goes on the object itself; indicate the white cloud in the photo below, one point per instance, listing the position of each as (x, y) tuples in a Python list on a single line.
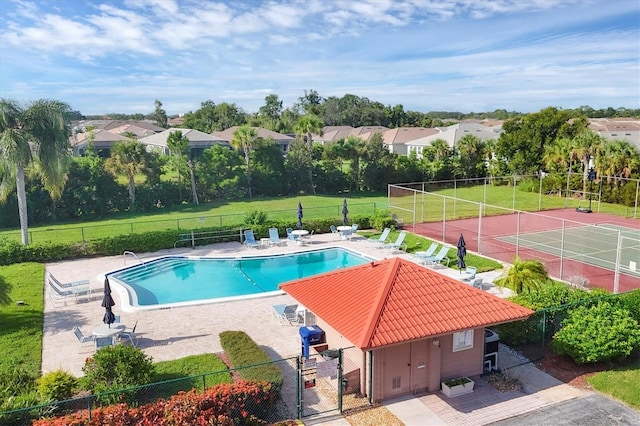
[(425, 54)]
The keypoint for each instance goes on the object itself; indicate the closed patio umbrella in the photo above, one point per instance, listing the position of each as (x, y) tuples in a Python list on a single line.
[(462, 252), (345, 212), (299, 225), (107, 302)]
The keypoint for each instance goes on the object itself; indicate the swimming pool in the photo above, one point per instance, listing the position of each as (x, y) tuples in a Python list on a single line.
[(173, 281)]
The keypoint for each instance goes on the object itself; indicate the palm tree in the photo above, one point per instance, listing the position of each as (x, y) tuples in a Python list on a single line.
[(179, 146), (356, 149), (586, 146), (306, 126), (618, 161), (243, 139), (128, 158), (524, 276), (35, 137)]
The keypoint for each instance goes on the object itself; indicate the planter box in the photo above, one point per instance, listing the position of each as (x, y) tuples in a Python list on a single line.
[(458, 389)]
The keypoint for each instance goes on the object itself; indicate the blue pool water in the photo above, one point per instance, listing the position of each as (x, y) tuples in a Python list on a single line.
[(179, 280)]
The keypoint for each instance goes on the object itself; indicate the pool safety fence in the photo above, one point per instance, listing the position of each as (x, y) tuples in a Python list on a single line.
[(313, 387)]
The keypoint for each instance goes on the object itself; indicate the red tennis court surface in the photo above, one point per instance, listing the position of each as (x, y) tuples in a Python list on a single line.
[(486, 231)]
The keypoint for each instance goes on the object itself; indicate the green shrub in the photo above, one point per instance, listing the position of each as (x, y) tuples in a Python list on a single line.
[(244, 352), (117, 367), (631, 302), (603, 332), (57, 385), (382, 219), (255, 217)]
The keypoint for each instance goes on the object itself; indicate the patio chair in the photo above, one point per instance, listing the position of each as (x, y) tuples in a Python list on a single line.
[(250, 239), (130, 335), (274, 238), (399, 243), (382, 239), (287, 313), (61, 292), (82, 338), (290, 235), (469, 274), (438, 258), (103, 342)]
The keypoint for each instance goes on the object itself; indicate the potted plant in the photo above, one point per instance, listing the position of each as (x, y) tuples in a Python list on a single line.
[(457, 386)]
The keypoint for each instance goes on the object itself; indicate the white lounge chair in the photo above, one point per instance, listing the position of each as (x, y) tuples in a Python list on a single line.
[(250, 239), (438, 258), (60, 292), (398, 244), (420, 255), (274, 238), (287, 313), (382, 239)]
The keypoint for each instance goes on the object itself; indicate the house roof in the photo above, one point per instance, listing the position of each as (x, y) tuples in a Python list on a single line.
[(228, 134), (196, 138), (394, 300)]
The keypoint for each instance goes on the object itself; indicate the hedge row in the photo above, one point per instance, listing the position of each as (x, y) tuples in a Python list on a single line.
[(225, 404), (13, 252), (250, 360)]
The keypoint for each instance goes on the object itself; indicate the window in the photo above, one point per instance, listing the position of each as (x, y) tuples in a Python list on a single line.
[(462, 340), (396, 383)]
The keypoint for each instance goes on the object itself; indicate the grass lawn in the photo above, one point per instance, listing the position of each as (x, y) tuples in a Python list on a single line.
[(622, 383), (21, 325), (219, 213), (191, 372)]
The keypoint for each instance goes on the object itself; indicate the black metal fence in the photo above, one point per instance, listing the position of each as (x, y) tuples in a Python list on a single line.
[(310, 387)]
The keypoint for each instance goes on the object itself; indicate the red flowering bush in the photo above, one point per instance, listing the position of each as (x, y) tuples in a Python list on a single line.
[(226, 405)]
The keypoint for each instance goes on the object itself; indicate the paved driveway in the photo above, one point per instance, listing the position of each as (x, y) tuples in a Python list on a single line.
[(589, 409)]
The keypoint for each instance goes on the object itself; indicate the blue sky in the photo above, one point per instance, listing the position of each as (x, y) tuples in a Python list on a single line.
[(465, 55)]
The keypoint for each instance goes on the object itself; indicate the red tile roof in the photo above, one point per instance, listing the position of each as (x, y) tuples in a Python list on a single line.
[(394, 300)]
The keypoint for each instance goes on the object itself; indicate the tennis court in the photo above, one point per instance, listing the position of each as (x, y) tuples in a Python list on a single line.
[(592, 244)]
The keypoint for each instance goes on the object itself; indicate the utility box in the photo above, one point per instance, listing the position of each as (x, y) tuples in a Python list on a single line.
[(310, 335), (491, 341)]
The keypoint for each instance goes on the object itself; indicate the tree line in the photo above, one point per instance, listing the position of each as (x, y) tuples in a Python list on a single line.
[(348, 110), (38, 171)]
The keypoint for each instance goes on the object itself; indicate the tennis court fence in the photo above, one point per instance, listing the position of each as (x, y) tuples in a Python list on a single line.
[(604, 254)]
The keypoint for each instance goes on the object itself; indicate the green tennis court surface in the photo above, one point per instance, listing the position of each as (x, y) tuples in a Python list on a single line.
[(595, 245)]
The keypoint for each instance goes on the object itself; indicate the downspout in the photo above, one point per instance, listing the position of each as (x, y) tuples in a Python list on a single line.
[(370, 372)]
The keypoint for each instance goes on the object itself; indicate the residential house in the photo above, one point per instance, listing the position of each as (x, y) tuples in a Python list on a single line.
[(411, 327), (103, 140), (284, 141), (396, 139), (452, 135), (198, 141), (617, 129)]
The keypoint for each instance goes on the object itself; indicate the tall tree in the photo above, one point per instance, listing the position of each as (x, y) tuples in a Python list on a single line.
[(160, 115), (243, 140), (270, 113), (472, 161), (179, 146), (306, 126), (585, 147), (36, 137), (127, 158), (618, 160)]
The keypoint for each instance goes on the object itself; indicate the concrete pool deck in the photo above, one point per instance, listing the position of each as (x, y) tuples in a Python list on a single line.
[(167, 334)]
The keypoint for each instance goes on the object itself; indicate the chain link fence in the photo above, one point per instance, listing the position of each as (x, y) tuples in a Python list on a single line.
[(64, 233), (320, 385)]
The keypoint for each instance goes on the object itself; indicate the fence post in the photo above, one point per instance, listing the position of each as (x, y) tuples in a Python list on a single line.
[(444, 217), (635, 210), (540, 194), (479, 227), (562, 250), (616, 275), (517, 234), (340, 383), (513, 197), (82, 232), (299, 387)]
